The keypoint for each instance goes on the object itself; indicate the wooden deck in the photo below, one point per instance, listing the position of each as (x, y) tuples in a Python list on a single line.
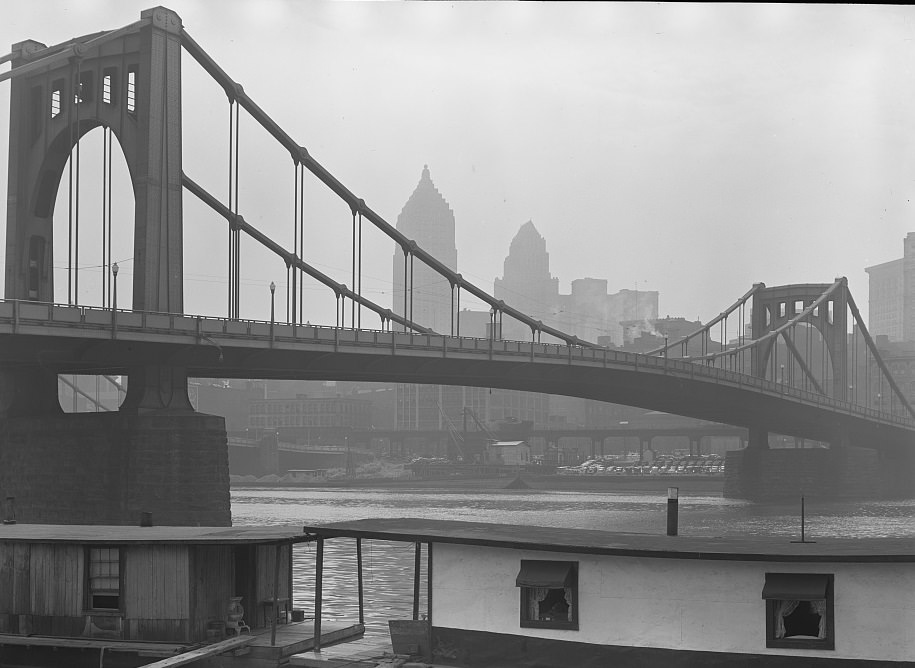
[(144, 648), (202, 652), (254, 649), (299, 637), (365, 652)]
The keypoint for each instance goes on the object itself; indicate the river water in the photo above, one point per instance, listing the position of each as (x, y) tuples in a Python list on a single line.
[(388, 566)]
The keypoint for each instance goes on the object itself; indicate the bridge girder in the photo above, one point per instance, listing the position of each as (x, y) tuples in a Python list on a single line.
[(651, 389)]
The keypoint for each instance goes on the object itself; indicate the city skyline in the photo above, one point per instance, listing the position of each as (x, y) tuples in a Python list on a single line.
[(698, 151)]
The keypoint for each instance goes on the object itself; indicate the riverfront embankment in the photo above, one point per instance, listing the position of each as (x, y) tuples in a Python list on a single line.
[(710, 485)]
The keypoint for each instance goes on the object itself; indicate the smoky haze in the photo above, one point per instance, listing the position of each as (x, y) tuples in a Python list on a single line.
[(691, 149)]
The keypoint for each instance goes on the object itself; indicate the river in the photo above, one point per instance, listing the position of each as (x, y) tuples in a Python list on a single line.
[(388, 567)]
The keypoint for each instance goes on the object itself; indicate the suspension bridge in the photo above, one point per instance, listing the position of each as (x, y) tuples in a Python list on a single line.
[(795, 360)]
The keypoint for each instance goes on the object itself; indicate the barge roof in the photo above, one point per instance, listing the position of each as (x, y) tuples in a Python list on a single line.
[(92, 534), (592, 541)]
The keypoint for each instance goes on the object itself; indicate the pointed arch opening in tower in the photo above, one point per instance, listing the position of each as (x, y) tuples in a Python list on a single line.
[(88, 195)]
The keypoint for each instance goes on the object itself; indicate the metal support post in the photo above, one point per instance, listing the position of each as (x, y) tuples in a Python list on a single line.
[(319, 576), (416, 564)]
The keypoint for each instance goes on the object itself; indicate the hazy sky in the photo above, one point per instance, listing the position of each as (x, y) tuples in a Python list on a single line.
[(688, 149)]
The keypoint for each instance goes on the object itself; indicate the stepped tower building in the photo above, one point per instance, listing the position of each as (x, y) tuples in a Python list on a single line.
[(526, 283), (426, 218)]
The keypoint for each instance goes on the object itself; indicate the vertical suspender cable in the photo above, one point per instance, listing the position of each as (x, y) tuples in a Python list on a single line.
[(231, 286), (77, 101), (63, 98), (108, 270), (855, 359), (405, 274), (295, 234), (459, 309), (104, 216), (353, 309), (867, 379), (237, 230), (359, 291), (301, 239), (824, 358), (411, 287)]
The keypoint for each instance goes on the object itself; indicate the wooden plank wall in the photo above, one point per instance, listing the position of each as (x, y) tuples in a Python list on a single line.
[(265, 569), (212, 585), (56, 579), (156, 596), (15, 591)]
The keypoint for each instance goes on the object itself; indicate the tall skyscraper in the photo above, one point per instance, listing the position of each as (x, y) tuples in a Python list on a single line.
[(588, 311), (426, 218), (891, 295), (526, 283)]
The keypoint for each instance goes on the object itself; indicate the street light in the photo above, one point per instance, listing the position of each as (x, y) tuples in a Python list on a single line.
[(114, 272), (272, 306), (114, 305)]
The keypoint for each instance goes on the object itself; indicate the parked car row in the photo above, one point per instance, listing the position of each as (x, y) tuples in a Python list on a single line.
[(662, 465)]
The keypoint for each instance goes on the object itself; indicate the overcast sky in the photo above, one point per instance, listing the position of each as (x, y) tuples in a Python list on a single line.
[(688, 149)]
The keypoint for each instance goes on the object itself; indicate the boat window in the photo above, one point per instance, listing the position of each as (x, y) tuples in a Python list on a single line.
[(799, 610), (549, 594), (104, 578)]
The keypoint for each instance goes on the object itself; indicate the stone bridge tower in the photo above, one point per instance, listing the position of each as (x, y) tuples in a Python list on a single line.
[(155, 454)]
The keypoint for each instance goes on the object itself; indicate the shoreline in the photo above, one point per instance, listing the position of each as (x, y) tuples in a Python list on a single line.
[(546, 483)]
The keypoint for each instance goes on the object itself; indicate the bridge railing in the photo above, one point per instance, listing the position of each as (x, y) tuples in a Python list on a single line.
[(206, 329)]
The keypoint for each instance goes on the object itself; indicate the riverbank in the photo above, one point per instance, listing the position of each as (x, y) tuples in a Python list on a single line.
[(696, 484)]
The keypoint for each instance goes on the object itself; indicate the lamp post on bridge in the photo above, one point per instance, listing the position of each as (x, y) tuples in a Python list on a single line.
[(272, 307), (114, 299)]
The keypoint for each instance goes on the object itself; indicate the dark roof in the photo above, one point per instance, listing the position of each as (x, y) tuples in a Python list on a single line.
[(590, 541), (85, 534)]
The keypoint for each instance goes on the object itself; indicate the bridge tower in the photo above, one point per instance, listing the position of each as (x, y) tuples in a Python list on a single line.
[(128, 81), (773, 307)]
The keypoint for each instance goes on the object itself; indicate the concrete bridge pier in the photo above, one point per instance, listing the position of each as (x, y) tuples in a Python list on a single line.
[(761, 473), (107, 468), (597, 443), (645, 444)]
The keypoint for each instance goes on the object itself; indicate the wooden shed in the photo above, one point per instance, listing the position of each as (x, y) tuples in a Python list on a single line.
[(168, 584)]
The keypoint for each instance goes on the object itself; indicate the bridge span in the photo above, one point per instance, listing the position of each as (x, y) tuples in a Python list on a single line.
[(73, 339), (795, 359)]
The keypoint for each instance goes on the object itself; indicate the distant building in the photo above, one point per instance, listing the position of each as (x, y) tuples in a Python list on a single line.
[(588, 311), (526, 283), (891, 297), (421, 407), (900, 360), (304, 411), (642, 336), (427, 219), (508, 453)]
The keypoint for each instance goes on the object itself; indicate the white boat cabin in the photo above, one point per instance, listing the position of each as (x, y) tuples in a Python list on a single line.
[(537, 596)]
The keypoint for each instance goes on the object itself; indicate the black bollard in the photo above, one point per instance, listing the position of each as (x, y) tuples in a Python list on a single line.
[(672, 510)]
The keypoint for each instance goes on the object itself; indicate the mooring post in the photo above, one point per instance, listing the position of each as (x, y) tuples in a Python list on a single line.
[(319, 575), (429, 598), (672, 510), (276, 585), (416, 564), (359, 572)]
